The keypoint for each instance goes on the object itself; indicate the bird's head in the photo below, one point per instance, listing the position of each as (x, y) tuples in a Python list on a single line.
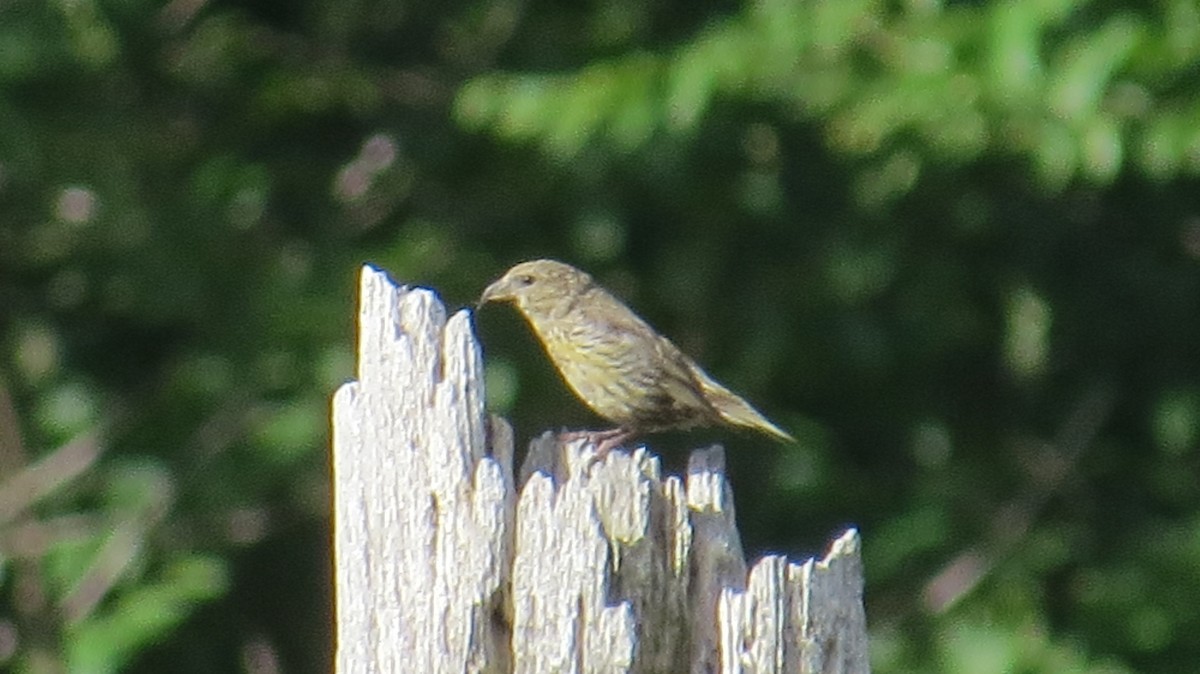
[(537, 286)]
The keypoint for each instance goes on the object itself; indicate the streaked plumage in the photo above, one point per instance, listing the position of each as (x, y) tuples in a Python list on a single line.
[(613, 360)]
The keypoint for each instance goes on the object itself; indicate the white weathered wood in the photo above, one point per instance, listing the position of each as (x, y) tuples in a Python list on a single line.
[(596, 566), (422, 516)]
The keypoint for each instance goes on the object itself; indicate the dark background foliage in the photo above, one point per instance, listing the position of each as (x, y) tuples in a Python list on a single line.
[(954, 247)]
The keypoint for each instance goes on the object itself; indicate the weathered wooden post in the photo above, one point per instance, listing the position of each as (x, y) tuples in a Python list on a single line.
[(444, 563)]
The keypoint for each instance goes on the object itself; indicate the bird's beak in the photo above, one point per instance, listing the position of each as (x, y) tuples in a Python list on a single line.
[(496, 292)]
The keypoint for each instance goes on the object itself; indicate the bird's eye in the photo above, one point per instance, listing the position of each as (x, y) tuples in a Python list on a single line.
[(525, 280)]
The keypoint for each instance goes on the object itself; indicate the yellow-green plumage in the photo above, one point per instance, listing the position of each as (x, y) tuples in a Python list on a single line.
[(615, 362)]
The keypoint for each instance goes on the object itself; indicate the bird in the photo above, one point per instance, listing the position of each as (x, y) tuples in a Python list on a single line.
[(615, 363)]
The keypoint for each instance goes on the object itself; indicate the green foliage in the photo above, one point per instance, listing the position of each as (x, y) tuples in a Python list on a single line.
[(952, 247), (1065, 88), (109, 641)]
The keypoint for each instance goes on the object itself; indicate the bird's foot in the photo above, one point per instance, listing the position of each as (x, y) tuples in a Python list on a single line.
[(605, 441)]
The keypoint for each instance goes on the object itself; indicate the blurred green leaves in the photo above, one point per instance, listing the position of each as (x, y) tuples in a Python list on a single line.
[(1002, 77), (953, 246), (1177, 421), (111, 641)]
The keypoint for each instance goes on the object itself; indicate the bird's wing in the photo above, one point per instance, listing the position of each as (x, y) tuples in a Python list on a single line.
[(681, 392), (659, 371), (732, 408)]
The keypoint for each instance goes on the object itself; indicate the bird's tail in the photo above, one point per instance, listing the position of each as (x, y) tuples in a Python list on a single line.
[(735, 410)]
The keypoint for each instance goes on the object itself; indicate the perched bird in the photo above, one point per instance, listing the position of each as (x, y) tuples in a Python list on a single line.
[(614, 361)]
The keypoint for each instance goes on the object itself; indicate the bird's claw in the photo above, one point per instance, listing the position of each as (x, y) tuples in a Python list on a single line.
[(604, 441)]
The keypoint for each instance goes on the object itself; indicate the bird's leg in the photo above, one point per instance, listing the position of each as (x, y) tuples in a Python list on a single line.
[(605, 441)]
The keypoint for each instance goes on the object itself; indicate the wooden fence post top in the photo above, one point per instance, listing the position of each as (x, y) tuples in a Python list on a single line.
[(444, 563)]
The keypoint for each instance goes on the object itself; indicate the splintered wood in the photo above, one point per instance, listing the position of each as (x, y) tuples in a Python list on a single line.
[(444, 563)]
